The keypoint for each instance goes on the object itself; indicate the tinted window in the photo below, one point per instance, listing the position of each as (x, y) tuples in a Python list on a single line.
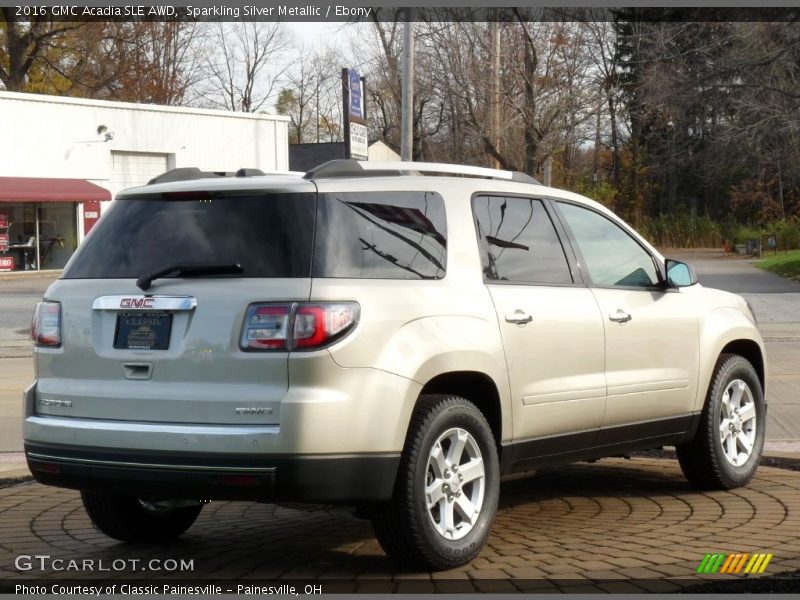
[(518, 241), (612, 256), (270, 235), (381, 235)]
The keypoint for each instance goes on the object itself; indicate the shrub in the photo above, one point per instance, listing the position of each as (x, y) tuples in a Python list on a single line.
[(682, 231)]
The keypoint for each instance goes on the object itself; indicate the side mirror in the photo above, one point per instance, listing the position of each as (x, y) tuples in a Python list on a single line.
[(679, 274)]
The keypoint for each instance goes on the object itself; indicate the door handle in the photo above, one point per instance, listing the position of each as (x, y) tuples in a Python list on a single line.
[(620, 316), (520, 317)]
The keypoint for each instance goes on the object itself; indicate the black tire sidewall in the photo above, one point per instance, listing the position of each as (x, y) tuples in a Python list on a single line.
[(124, 518), (736, 368), (467, 417)]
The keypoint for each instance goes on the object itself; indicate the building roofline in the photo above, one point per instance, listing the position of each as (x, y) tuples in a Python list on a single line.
[(42, 98)]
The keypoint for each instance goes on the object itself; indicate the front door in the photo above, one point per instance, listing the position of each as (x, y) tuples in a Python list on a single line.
[(651, 331)]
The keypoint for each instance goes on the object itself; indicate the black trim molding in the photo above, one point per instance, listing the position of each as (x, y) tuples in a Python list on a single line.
[(335, 479), (525, 455)]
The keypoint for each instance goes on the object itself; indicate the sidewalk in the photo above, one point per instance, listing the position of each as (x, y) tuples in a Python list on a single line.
[(13, 466), (15, 375)]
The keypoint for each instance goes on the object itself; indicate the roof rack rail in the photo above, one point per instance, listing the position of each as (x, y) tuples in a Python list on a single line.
[(355, 168), (190, 173)]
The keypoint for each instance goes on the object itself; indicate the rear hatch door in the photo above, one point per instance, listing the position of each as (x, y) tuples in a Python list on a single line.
[(173, 352)]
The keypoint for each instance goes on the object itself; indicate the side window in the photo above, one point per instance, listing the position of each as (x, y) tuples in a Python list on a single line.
[(381, 235), (518, 241), (612, 256)]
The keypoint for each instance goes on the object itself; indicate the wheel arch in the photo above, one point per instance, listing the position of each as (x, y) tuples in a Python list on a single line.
[(728, 331), (477, 387), (750, 350)]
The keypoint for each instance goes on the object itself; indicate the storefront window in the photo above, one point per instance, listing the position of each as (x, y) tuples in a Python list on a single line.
[(37, 235)]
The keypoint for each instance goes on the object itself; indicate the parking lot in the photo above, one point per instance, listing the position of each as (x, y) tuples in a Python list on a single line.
[(614, 525)]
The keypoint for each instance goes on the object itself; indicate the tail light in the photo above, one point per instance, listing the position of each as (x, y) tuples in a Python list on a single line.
[(267, 327), (46, 324), (298, 326)]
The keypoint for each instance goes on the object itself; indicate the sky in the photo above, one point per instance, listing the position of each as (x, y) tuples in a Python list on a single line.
[(318, 33)]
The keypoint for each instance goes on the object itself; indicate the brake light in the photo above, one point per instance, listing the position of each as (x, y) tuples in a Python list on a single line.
[(313, 325), (316, 325), (46, 324)]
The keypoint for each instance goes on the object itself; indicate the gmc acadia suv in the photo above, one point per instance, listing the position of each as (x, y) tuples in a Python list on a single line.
[(368, 336)]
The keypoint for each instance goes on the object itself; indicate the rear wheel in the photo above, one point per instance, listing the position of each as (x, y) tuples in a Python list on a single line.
[(132, 519), (445, 497), (726, 449)]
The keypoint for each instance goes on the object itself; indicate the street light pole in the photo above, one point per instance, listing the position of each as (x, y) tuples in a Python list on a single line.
[(407, 117), (496, 85)]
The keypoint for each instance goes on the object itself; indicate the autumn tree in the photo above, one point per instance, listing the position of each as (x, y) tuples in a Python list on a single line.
[(24, 42), (151, 62)]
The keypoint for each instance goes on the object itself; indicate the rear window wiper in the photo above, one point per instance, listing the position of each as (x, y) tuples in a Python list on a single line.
[(196, 270)]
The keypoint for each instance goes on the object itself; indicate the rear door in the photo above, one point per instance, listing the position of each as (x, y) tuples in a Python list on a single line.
[(551, 328), (173, 352)]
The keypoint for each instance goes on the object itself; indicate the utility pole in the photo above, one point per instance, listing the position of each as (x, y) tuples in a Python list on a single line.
[(407, 117), (548, 171), (496, 84), (780, 190), (596, 161)]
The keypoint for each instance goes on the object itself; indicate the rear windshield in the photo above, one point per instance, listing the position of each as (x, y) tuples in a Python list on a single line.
[(269, 235)]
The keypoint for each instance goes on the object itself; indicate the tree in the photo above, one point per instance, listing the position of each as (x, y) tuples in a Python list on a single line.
[(131, 61), (158, 62), (23, 43), (247, 64), (601, 44), (381, 56), (312, 96)]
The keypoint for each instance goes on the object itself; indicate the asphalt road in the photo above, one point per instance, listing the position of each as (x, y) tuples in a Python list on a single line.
[(775, 300), (737, 275), (18, 296)]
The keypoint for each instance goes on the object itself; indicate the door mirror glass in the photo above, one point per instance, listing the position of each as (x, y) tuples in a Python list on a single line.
[(679, 274)]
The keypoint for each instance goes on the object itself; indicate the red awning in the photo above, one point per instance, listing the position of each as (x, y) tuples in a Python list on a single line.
[(34, 189)]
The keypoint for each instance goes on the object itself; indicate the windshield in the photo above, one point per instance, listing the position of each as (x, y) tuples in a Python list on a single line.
[(269, 235)]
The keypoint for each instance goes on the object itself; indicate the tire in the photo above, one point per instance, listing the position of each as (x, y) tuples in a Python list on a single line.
[(441, 537), (129, 519), (725, 452)]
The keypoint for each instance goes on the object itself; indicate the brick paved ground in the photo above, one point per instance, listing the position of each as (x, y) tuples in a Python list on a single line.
[(615, 525)]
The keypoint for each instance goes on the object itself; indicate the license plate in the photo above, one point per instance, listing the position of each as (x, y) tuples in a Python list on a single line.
[(143, 331)]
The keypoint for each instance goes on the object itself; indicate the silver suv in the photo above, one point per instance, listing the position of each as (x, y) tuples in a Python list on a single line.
[(369, 336)]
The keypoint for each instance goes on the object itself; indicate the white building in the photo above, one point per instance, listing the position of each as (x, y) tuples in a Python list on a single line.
[(61, 158)]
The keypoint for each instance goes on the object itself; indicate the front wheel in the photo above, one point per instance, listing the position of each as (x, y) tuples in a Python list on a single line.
[(726, 449), (132, 519), (445, 497)]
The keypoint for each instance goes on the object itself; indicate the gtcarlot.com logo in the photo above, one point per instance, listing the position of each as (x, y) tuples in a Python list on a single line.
[(734, 564), (45, 562)]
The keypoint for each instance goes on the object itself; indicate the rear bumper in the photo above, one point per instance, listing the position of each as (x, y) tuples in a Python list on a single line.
[(324, 478)]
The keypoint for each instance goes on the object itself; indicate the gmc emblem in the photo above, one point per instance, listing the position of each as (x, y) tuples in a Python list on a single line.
[(137, 303)]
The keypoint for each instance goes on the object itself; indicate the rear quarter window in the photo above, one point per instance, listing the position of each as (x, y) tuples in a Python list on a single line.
[(381, 235)]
